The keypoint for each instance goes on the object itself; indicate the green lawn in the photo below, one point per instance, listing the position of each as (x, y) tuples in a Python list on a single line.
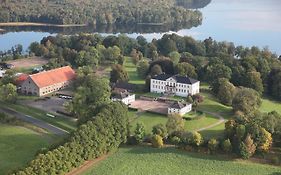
[(132, 71), (211, 104), (168, 161), (18, 146), (149, 120), (64, 123), (269, 105)]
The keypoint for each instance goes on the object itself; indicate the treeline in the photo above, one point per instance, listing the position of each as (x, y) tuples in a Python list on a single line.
[(14, 53), (104, 133), (100, 12)]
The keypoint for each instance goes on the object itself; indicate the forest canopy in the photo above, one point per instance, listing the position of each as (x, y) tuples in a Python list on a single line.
[(98, 12)]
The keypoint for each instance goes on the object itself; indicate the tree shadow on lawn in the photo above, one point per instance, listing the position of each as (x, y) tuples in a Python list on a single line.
[(276, 173), (208, 134), (168, 150)]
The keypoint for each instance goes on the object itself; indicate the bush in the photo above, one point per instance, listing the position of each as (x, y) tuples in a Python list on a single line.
[(213, 145), (247, 148), (160, 129), (139, 133), (157, 141), (175, 140), (226, 146), (195, 139)]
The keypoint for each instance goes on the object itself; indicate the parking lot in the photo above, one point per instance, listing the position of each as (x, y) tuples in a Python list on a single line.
[(152, 106), (51, 105)]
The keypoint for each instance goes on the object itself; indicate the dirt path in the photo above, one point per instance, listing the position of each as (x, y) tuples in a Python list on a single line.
[(221, 120), (86, 165)]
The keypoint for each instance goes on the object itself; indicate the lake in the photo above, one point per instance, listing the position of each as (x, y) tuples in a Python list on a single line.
[(243, 22)]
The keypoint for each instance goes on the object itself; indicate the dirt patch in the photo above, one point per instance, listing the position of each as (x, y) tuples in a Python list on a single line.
[(28, 62), (86, 165), (152, 106)]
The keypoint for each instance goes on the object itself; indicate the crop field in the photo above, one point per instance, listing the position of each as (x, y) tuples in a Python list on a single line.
[(167, 161)]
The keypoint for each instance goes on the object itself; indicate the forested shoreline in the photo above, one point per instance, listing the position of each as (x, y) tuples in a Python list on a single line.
[(98, 12)]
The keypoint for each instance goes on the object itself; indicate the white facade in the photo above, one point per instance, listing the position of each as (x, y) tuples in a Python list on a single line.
[(2, 73), (171, 85), (126, 100), (181, 111)]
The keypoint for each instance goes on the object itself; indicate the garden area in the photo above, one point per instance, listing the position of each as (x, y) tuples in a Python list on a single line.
[(19, 145), (166, 161)]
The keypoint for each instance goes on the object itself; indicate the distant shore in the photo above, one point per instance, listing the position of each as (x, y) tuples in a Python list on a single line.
[(14, 24)]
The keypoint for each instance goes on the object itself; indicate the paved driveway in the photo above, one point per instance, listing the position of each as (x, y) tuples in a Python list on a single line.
[(51, 105)]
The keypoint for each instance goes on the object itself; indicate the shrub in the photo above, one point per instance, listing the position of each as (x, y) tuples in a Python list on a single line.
[(139, 132), (213, 145), (226, 146), (175, 140), (195, 139), (160, 129), (247, 148), (157, 141)]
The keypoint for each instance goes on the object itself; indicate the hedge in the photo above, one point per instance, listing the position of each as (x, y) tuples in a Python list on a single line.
[(104, 133)]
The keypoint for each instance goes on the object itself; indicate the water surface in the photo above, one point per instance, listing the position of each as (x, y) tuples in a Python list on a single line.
[(244, 22)]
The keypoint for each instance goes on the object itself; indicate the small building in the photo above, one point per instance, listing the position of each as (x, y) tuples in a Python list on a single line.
[(124, 97), (174, 84), (179, 108), (47, 82), (20, 79)]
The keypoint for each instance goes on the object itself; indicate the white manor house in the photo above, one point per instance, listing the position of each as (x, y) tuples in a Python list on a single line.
[(174, 84)]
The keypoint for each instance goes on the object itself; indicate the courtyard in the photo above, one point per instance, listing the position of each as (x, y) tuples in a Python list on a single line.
[(151, 106)]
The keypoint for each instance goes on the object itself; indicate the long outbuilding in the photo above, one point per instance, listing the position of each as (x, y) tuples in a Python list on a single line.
[(47, 82)]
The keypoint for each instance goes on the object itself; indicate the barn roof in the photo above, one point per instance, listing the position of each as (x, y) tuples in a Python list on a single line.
[(55, 76)]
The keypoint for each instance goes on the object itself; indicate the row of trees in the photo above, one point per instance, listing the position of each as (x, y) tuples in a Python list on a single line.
[(98, 12), (100, 135)]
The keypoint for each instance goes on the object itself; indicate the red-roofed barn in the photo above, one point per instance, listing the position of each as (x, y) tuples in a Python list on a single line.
[(44, 83)]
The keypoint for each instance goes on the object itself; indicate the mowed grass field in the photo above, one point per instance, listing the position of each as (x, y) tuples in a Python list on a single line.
[(132, 71), (170, 161), (149, 120), (18, 145), (269, 105)]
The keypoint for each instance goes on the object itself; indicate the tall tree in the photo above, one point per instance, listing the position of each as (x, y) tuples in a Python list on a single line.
[(118, 73), (246, 100), (253, 80), (8, 93), (226, 91), (186, 69)]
